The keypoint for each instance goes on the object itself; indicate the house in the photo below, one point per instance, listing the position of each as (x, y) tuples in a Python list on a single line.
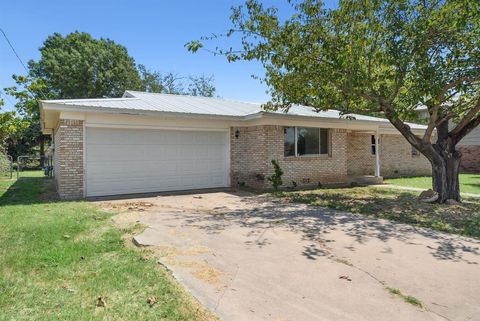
[(469, 146), (146, 142)]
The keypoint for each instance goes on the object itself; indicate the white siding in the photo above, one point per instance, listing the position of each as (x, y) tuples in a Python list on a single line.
[(473, 138)]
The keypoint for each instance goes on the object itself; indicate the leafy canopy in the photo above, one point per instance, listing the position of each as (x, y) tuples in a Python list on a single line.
[(171, 83), (79, 66), (367, 56)]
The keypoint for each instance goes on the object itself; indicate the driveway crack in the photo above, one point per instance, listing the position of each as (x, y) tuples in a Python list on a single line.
[(228, 286)]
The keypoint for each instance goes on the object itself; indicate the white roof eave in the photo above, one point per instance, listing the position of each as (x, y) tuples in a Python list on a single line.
[(135, 103), (122, 111)]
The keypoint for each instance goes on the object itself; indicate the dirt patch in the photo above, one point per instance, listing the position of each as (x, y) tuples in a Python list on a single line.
[(169, 255), (136, 206), (201, 270)]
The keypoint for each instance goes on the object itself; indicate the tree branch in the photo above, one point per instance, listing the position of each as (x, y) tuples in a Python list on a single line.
[(445, 118), (403, 128), (452, 84), (437, 103), (466, 119), (466, 129)]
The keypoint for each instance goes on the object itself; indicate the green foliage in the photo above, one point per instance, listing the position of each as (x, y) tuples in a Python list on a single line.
[(27, 138), (407, 298), (10, 126), (79, 66), (152, 81), (6, 166), (395, 205), (379, 57), (68, 253), (194, 45), (170, 83), (354, 57), (367, 57), (276, 178), (469, 183), (201, 86)]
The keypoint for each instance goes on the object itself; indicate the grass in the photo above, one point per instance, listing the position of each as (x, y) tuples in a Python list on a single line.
[(57, 257), (407, 298), (396, 205), (469, 183)]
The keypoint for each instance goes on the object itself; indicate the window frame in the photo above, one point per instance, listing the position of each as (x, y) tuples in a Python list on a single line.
[(373, 145), (295, 135)]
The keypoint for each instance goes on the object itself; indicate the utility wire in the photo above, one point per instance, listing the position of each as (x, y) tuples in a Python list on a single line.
[(3, 94), (21, 62), (13, 49)]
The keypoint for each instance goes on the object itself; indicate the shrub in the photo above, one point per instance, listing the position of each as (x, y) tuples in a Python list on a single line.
[(276, 178)]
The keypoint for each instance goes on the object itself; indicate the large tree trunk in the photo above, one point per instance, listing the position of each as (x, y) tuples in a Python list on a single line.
[(445, 161), (445, 173)]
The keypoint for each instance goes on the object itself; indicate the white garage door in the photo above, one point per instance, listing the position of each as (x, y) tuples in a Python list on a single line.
[(125, 161)]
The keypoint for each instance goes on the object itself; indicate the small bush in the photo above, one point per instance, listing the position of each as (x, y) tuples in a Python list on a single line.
[(276, 178)]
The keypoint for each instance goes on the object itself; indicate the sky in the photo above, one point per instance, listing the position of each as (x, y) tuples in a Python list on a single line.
[(154, 33)]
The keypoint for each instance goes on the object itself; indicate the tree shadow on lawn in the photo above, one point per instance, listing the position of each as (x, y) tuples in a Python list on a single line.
[(28, 190), (315, 223), (476, 185)]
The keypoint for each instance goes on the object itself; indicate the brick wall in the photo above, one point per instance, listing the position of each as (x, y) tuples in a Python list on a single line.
[(470, 158), (360, 160), (396, 157), (256, 146), (68, 159), (248, 156)]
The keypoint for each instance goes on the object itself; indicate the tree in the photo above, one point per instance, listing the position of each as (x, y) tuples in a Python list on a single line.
[(201, 86), (374, 56), (79, 66), (152, 81), (171, 83), (28, 135), (74, 66)]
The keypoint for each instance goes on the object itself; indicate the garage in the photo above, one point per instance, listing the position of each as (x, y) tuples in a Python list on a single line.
[(127, 161)]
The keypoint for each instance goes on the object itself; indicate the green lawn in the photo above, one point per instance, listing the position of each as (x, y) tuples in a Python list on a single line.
[(57, 257), (395, 205), (469, 183)]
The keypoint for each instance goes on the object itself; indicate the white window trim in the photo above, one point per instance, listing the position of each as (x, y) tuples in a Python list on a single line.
[(295, 133)]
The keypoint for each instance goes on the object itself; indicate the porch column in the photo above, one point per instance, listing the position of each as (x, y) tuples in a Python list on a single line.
[(377, 154)]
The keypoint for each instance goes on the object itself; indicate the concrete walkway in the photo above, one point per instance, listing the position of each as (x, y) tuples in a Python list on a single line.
[(416, 189), (252, 258)]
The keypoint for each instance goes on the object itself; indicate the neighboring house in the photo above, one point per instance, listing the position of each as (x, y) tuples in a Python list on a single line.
[(469, 146), (147, 142)]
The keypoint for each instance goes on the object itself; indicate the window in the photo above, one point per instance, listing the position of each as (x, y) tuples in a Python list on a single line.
[(374, 147), (289, 141), (306, 141)]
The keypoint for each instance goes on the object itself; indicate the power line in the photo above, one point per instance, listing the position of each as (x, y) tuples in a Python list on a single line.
[(3, 94), (24, 66), (14, 51)]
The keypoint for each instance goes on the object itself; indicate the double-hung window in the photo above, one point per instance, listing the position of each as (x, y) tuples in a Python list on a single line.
[(306, 141)]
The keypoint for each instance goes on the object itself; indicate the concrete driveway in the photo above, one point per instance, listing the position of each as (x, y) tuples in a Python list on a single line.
[(249, 257)]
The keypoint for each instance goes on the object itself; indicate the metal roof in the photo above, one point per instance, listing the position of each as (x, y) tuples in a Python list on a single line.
[(195, 105)]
